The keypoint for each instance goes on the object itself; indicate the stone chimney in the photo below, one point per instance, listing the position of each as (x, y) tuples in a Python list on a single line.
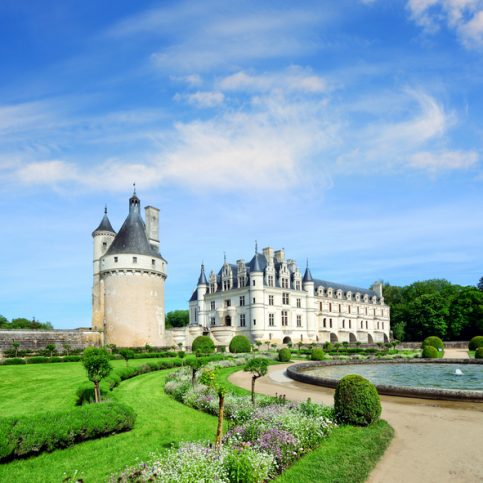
[(152, 225), (280, 255)]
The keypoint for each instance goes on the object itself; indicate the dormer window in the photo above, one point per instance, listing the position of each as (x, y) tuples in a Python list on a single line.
[(153, 262), (135, 259), (116, 259)]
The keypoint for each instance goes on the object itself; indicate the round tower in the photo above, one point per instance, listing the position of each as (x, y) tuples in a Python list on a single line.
[(309, 286), (257, 303), (103, 236), (133, 274)]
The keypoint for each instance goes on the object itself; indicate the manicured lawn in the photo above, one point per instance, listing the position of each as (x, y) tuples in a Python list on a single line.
[(161, 421)]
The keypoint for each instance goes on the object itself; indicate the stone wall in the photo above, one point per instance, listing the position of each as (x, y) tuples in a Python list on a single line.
[(34, 340)]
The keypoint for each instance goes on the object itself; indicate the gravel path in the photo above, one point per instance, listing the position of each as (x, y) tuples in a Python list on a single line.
[(436, 441)]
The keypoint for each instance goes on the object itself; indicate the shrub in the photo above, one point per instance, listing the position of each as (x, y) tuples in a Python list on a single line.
[(239, 344), (430, 352), (96, 363), (356, 401), (328, 347), (479, 353), (317, 354), (248, 466), (14, 361), (38, 360), (56, 359), (284, 355), (475, 342), (435, 342), (203, 345), (30, 435), (72, 358)]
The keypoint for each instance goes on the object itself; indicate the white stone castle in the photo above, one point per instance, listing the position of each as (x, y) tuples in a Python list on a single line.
[(266, 299)]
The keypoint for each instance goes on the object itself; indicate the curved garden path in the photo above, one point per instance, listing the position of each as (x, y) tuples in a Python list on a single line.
[(435, 441)]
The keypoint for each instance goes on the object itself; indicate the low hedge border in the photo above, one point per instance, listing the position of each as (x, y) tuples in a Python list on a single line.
[(38, 360), (25, 436), (297, 372)]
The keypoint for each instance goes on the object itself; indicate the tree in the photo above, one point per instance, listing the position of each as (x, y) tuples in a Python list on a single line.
[(177, 318), (67, 348), (196, 364), (15, 346), (208, 378), (127, 354), (97, 365), (50, 348), (258, 366), (480, 284), (4, 323)]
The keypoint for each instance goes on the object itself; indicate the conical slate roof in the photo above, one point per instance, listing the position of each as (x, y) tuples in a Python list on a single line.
[(105, 224), (308, 275), (202, 280), (132, 235)]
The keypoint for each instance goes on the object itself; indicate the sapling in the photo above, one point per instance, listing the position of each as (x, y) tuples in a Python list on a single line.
[(96, 363), (258, 366)]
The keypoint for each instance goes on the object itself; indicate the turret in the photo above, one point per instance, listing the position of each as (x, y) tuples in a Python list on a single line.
[(256, 291), (309, 286), (201, 289)]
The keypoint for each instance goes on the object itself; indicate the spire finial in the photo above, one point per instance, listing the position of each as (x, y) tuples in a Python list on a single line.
[(256, 247), (105, 209), (307, 263), (134, 188), (224, 257)]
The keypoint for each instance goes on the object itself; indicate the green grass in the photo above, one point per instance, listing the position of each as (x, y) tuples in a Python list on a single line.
[(348, 455)]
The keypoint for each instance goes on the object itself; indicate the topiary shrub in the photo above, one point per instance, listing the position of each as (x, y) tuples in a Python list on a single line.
[(475, 342), (328, 347), (356, 401), (203, 345), (239, 344), (435, 342), (430, 352), (317, 354), (479, 353), (284, 355)]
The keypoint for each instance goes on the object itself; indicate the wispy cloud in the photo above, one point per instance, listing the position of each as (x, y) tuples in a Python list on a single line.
[(444, 160), (202, 99), (465, 17)]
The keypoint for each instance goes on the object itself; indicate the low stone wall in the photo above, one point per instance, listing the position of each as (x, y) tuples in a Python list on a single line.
[(449, 344), (35, 340), (298, 373)]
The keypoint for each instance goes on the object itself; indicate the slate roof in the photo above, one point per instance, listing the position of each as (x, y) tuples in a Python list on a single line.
[(202, 280), (132, 235), (308, 275), (344, 288), (105, 224)]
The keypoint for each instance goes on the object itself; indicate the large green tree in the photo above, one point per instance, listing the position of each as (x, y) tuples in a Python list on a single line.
[(177, 318)]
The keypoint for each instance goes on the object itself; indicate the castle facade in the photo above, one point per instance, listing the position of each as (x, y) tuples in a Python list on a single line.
[(268, 299)]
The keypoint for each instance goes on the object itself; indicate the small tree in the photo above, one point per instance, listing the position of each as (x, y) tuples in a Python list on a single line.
[(258, 343), (96, 363), (196, 365), (67, 348), (208, 378), (268, 344), (380, 344), (274, 346), (345, 344), (15, 346), (258, 366), (337, 346), (358, 343), (148, 348), (50, 348), (299, 343), (127, 354)]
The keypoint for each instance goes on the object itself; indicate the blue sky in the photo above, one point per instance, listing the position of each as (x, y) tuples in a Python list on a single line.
[(347, 132)]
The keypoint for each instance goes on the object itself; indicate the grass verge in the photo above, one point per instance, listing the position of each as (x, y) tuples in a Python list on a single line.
[(348, 454)]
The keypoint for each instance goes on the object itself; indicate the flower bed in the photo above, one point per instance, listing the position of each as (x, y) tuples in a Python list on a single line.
[(262, 441)]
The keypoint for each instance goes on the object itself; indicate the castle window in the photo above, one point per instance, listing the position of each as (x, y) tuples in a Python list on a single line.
[(271, 320), (320, 306), (153, 262), (343, 324), (297, 285), (362, 324), (340, 308), (284, 318), (270, 300), (382, 325), (212, 305), (330, 307), (254, 300), (299, 303), (350, 324), (242, 301), (349, 309), (115, 259), (135, 259), (241, 281), (374, 312), (212, 288), (366, 310), (213, 321), (270, 280), (196, 315), (330, 322), (284, 283), (104, 245), (242, 320), (325, 323), (227, 303), (285, 298), (253, 282), (299, 321), (254, 321), (367, 324)]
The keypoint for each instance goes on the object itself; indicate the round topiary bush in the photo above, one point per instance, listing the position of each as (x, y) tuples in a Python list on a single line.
[(430, 352), (328, 347), (435, 342), (203, 344), (479, 353), (475, 342), (239, 344), (317, 354), (356, 401), (284, 355)]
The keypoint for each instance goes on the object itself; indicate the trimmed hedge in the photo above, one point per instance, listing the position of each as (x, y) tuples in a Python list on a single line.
[(240, 344), (479, 353), (203, 345), (39, 360), (284, 355), (430, 352), (356, 401), (475, 342), (14, 361), (435, 342), (317, 354), (44, 432)]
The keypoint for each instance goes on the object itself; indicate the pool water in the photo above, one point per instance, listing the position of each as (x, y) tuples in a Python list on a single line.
[(437, 376)]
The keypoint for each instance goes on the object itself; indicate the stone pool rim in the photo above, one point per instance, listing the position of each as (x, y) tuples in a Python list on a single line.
[(297, 373)]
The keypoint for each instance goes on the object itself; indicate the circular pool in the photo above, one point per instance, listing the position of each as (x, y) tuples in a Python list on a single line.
[(444, 379)]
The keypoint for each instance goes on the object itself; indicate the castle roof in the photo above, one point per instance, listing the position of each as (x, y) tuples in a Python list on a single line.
[(105, 224), (308, 275), (345, 288), (132, 235), (202, 280)]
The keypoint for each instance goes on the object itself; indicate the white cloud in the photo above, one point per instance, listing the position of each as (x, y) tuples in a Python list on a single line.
[(203, 99), (292, 79), (444, 160), (47, 172), (465, 17)]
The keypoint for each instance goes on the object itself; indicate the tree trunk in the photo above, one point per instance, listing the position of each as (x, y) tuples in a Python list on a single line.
[(219, 429), (254, 378), (97, 392), (193, 376)]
